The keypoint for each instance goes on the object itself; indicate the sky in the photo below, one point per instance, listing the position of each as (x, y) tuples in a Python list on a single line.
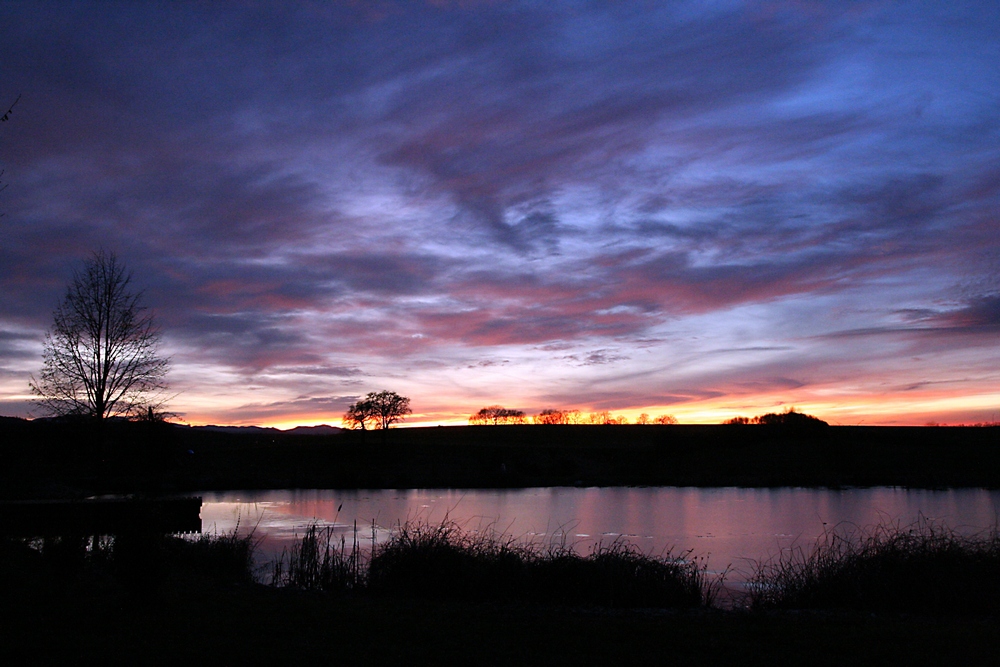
[(702, 209)]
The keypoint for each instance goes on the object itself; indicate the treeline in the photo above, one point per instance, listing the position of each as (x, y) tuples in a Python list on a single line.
[(497, 415)]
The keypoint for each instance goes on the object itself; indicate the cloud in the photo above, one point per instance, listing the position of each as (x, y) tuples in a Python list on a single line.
[(770, 384), (315, 189), (937, 328), (319, 370), (980, 315), (488, 363), (597, 399), (302, 407), (598, 358), (18, 345), (498, 127)]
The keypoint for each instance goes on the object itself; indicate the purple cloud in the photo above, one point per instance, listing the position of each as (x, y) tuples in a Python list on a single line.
[(334, 192)]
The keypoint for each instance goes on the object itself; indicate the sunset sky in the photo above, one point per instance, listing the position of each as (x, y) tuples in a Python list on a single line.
[(705, 209)]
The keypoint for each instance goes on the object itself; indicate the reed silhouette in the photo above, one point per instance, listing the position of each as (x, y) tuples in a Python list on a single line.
[(443, 561), (925, 568)]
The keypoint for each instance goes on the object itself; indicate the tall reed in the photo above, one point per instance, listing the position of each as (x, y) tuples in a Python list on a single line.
[(924, 567), (320, 562)]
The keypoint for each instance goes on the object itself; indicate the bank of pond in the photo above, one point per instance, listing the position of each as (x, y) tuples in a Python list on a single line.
[(42, 458), (924, 567), (434, 592)]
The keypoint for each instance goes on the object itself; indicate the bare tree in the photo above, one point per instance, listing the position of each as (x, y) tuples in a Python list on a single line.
[(101, 355), (383, 408), (6, 116), (602, 417), (665, 420), (3, 119)]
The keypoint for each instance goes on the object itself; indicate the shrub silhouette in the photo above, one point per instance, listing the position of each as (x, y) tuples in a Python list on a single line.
[(790, 418)]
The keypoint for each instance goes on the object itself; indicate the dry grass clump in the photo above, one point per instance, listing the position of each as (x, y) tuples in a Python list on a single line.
[(924, 567), (444, 561), (227, 557), (618, 574)]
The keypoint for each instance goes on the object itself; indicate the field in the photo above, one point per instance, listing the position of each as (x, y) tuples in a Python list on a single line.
[(47, 459)]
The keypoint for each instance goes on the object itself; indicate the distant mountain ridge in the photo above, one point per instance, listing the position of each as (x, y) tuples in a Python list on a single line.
[(321, 429)]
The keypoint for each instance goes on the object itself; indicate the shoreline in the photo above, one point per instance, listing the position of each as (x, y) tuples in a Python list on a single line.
[(45, 459)]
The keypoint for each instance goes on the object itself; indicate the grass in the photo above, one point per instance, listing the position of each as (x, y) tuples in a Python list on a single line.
[(924, 568), (442, 561), (320, 562), (619, 575), (921, 568), (65, 599), (138, 563), (420, 560), (228, 557)]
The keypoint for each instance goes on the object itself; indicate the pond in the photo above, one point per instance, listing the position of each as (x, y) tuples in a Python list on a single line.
[(729, 527)]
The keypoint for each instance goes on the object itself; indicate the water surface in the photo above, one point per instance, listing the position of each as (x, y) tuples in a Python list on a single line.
[(728, 526)]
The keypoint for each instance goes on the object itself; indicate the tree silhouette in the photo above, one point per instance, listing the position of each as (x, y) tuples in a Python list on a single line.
[(358, 415), (789, 418), (6, 116), (3, 119), (496, 415), (382, 408), (100, 357), (602, 417), (550, 416)]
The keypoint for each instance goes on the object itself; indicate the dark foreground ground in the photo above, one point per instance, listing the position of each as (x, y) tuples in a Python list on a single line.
[(260, 626), (187, 616), (44, 459)]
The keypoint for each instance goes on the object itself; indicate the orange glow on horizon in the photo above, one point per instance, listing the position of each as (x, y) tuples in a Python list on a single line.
[(889, 409)]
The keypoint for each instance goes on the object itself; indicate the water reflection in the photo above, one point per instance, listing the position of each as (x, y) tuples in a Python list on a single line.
[(726, 525)]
